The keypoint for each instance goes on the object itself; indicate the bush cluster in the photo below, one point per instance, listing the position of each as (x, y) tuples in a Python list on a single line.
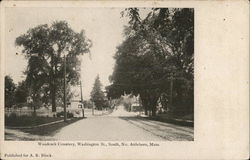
[(61, 114)]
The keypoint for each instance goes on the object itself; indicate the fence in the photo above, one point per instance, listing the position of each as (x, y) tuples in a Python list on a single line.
[(43, 111), (46, 112)]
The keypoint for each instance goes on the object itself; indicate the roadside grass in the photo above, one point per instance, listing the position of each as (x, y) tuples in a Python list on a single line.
[(180, 122), (24, 121), (49, 130), (30, 124)]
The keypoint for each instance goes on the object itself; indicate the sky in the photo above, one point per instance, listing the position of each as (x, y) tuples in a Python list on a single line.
[(103, 26)]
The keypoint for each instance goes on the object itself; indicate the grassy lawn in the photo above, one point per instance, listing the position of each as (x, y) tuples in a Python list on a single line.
[(49, 130), (181, 122), (23, 121), (30, 121)]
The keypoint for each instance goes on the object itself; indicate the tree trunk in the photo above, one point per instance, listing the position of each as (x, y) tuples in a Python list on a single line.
[(146, 110), (53, 97), (144, 103), (34, 103), (153, 98), (154, 104), (34, 107), (153, 110), (52, 84), (149, 101)]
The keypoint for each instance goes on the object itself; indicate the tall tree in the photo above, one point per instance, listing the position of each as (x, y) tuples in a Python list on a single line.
[(97, 95), (153, 49), (44, 46), (137, 71), (170, 30), (9, 91), (21, 92)]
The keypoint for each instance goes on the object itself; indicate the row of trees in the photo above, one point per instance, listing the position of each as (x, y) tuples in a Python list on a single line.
[(14, 94), (158, 51), (44, 47)]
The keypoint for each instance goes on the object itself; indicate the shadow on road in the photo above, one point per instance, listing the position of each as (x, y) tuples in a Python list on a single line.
[(165, 130)]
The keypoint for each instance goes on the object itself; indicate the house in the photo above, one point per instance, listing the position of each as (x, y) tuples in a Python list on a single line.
[(75, 107)]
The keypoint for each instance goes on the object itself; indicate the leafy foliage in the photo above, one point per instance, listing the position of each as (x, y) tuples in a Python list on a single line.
[(153, 49), (45, 62), (9, 92), (97, 95), (21, 92)]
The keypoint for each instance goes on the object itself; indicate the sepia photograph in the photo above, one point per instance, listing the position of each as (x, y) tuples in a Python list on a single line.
[(114, 80), (102, 74)]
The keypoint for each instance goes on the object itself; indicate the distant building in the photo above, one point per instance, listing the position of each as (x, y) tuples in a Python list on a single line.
[(75, 107), (29, 99)]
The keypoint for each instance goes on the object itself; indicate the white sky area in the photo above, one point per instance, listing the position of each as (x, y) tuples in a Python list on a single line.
[(103, 26)]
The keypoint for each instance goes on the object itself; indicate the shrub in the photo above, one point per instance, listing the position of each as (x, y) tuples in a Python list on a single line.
[(12, 116), (61, 114), (70, 115)]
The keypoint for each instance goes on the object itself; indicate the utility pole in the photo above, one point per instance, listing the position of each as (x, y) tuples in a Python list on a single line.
[(92, 108), (82, 99), (64, 86), (81, 91)]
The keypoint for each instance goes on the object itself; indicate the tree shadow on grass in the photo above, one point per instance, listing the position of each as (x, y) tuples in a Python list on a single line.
[(50, 130)]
